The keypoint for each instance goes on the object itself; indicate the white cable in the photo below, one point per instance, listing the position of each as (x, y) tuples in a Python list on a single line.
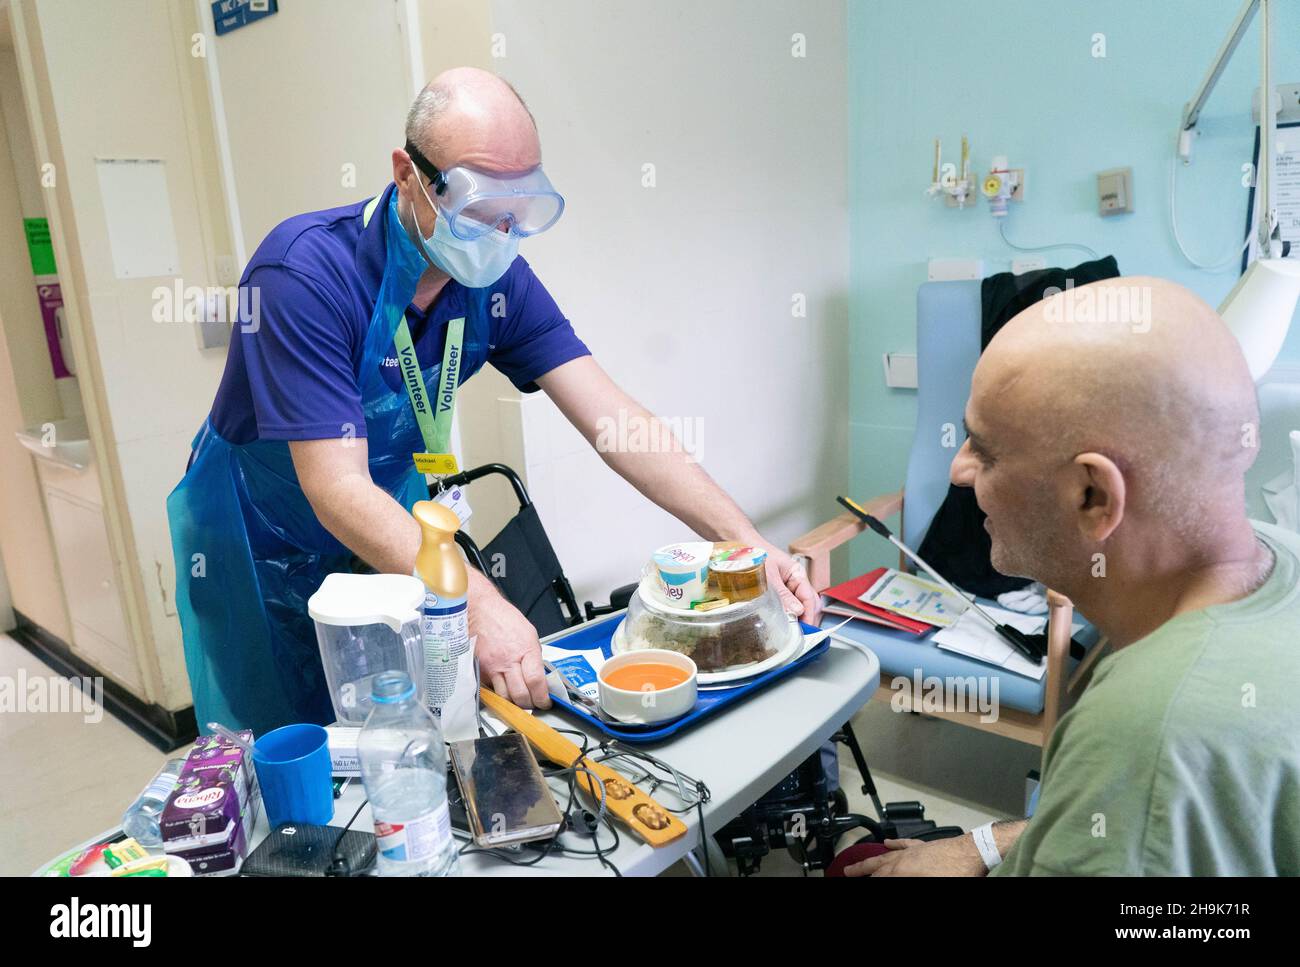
[(1002, 229), (1178, 240)]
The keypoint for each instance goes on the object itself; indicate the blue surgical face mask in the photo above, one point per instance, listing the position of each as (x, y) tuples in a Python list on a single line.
[(474, 264)]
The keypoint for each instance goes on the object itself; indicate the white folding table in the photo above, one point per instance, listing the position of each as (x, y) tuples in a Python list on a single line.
[(739, 753)]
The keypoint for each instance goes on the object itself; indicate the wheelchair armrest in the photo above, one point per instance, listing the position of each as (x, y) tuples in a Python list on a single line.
[(815, 547), (618, 600), (619, 597)]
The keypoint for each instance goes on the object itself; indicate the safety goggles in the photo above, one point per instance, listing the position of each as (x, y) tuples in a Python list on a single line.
[(475, 203)]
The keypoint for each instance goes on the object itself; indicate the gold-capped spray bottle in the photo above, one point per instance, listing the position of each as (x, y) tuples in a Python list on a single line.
[(445, 622)]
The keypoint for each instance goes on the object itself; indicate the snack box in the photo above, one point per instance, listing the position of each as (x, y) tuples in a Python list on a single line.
[(210, 814)]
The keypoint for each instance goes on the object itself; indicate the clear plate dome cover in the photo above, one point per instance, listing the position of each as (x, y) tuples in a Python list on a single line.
[(722, 640)]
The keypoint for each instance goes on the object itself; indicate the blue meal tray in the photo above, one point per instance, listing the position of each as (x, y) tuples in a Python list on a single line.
[(711, 700)]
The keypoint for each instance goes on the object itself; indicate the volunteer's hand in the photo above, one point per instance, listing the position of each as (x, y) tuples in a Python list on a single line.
[(791, 582), (509, 655), (913, 857)]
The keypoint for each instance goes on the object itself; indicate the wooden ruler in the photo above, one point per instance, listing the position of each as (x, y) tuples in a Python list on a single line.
[(627, 803)]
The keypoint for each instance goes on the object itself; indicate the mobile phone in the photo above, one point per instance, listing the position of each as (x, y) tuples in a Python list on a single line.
[(305, 849), (506, 796)]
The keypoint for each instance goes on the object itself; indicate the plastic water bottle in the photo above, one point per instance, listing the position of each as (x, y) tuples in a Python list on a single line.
[(404, 769), (141, 821)]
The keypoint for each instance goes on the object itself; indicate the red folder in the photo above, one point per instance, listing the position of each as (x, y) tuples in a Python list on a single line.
[(849, 591)]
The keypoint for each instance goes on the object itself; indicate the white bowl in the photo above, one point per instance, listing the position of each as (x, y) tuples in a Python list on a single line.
[(652, 705)]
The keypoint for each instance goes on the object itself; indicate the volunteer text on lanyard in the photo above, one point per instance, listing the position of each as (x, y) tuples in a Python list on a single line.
[(433, 416)]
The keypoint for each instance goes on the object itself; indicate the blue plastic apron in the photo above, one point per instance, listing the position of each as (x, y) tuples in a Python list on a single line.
[(250, 551)]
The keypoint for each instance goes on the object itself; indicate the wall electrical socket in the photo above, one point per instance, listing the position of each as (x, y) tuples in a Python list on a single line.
[(900, 370), (1115, 191), (227, 270), (955, 270), (213, 330)]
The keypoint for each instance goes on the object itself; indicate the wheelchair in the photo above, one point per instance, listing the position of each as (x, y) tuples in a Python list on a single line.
[(804, 814)]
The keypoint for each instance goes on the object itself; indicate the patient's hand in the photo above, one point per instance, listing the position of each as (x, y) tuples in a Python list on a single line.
[(912, 857)]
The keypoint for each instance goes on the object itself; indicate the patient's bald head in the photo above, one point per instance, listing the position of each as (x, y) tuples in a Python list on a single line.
[(1119, 409)]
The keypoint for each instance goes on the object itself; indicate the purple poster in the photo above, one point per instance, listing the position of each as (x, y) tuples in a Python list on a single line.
[(51, 298)]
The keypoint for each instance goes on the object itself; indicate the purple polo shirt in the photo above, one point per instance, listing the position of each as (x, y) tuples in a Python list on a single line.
[(295, 377)]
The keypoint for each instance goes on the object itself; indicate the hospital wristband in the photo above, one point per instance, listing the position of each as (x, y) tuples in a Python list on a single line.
[(987, 845)]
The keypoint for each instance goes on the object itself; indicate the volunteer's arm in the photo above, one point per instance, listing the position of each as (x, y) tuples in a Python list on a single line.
[(669, 476), (335, 476)]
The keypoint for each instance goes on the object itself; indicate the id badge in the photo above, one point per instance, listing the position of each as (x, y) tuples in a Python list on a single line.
[(455, 499), (436, 464)]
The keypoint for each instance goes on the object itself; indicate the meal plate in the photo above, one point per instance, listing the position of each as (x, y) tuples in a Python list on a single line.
[(734, 673)]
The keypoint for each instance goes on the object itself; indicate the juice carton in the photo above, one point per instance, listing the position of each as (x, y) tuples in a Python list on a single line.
[(210, 815)]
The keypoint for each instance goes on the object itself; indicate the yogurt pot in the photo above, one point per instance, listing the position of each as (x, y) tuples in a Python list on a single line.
[(683, 571)]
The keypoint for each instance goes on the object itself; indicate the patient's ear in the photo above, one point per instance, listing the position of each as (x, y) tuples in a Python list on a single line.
[(1097, 494)]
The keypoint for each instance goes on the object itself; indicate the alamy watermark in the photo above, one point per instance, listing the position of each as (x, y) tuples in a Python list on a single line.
[(53, 694), (231, 304), (1127, 304), (75, 920), (931, 695), (642, 433)]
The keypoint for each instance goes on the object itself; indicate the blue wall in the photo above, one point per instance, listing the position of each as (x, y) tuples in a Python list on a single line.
[(1019, 78)]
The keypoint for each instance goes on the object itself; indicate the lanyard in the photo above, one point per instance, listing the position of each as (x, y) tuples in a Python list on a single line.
[(433, 415)]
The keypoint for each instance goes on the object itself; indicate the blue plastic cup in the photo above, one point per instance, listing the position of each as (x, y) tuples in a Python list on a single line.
[(293, 769)]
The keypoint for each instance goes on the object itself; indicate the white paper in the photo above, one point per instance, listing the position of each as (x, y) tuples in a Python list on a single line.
[(1286, 189), (138, 211), (972, 636), (914, 597), (1282, 493), (456, 500), (459, 718), (817, 637), (569, 663)]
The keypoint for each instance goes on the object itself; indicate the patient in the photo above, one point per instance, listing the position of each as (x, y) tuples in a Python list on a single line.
[(1109, 457)]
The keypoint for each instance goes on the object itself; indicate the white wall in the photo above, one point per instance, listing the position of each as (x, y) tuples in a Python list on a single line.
[(684, 291), (314, 99)]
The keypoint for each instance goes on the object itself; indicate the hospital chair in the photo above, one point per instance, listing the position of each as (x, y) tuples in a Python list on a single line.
[(948, 320)]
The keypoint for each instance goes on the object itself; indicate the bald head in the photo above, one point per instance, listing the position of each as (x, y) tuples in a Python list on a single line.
[(1130, 390), (1138, 368), (464, 116), (467, 116)]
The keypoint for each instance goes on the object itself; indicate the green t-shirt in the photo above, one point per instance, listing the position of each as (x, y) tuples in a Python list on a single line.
[(1182, 757)]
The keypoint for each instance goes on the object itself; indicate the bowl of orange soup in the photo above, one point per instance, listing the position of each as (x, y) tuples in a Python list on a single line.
[(647, 686)]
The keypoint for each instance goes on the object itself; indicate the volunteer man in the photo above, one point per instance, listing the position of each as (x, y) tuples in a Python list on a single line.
[(306, 457)]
